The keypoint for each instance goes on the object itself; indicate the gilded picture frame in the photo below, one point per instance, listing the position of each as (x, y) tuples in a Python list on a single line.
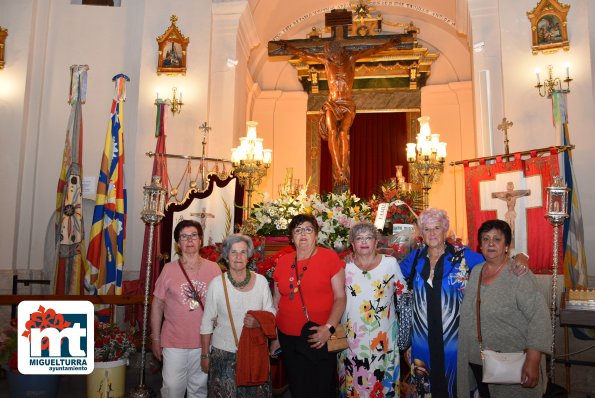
[(549, 26), (172, 46), (3, 34)]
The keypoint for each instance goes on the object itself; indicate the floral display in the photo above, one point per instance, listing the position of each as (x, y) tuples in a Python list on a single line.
[(112, 343), (272, 217), (9, 346), (402, 212), (335, 215)]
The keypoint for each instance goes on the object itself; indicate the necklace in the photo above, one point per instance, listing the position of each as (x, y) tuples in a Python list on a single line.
[(497, 270), (294, 289), (365, 267), (189, 267), (240, 284)]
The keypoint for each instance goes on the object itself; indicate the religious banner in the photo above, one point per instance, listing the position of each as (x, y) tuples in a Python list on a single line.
[(514, 191), (108, 233), (575, 260), (215, 213), (70, 235), (159, 169)]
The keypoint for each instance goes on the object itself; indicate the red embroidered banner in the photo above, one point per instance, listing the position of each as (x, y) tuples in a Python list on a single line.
[(514, 191)]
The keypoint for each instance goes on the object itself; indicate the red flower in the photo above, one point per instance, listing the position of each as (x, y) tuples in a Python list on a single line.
[(377, 391)]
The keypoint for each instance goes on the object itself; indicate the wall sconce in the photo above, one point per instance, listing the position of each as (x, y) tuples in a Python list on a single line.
[(3, 34), (552, 83), (174, 103), (232, 63)]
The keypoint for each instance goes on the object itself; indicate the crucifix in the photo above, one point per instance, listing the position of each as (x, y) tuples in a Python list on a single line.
[(205, 129), (504, 126), (338, 54)]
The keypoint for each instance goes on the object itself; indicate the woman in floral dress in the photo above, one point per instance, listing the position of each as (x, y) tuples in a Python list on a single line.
[(369, 367)]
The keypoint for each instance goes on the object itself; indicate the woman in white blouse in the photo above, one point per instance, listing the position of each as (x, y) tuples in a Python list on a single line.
[(246, 291)]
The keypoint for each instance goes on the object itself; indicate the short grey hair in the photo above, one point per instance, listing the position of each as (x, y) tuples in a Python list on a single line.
[(233, 239), (361, 228)]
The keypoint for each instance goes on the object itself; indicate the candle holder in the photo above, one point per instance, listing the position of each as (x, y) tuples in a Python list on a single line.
[(557, 213), (426, 158), (552, 83), (152, 213)]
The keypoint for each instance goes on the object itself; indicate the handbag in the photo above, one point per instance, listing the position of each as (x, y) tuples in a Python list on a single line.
[(498, 367), (404, 309), (338, 340)]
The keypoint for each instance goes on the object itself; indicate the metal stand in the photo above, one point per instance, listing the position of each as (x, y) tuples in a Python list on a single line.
[(153, 205)]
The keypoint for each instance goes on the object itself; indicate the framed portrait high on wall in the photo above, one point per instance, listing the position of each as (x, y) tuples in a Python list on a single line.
[(549, 27), (172, 50)]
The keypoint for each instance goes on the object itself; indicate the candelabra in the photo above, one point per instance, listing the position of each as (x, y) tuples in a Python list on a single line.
[(175, 103), (557, 199), (426, 158), (250, 162), (552, 83), (152, 213)]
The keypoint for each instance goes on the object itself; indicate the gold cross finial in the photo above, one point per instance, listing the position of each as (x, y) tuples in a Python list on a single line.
[(504, 126), (173, 19)]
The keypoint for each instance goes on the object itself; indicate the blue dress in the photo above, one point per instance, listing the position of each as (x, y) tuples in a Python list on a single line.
[(436, 307)]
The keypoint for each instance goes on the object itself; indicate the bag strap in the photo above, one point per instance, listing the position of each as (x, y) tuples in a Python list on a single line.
[(233, 328), (297, 277), (477, 310), (194, 292)]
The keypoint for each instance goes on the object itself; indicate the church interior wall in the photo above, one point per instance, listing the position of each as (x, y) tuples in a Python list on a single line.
[(45, 38), (506, 33)]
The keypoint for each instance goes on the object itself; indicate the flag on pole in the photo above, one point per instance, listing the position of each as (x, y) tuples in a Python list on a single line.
[(575, 262), (159, 169), (107, 243), (70, 235)]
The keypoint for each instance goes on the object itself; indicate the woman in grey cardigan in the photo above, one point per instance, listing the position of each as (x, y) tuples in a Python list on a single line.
[(514, 318)]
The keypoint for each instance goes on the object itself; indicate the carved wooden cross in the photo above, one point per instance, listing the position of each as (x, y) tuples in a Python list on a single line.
[(338, 21), (504, 126)]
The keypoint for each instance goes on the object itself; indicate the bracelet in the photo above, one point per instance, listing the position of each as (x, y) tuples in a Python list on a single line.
[(204, 356)]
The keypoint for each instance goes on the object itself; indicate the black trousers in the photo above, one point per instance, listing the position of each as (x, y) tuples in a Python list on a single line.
[(308, 377)]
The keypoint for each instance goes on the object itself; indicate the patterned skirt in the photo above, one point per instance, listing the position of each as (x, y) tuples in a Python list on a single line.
[(222, 379)]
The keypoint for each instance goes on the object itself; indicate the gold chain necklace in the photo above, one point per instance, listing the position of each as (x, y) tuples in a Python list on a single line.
[(492, 274)]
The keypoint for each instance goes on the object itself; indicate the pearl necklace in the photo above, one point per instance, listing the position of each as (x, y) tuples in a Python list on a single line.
[(241, 284)]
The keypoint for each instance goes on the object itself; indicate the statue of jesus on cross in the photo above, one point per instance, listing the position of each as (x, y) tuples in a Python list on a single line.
[(338, 111)]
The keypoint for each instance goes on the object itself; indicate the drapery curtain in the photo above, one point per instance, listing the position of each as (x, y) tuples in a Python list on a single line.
[(377, 145)]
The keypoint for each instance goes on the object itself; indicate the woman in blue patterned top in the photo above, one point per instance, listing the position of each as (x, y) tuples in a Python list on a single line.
[(440, 275)]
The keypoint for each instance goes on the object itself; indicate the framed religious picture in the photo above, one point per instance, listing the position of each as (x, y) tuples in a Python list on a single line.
[(3, 34), (549, 26), (172, 45)]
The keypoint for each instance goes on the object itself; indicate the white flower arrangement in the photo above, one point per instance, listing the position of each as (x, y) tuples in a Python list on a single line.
[(334, 213)]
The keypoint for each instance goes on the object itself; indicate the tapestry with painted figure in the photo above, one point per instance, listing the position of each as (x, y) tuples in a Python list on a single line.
[(514, 191)]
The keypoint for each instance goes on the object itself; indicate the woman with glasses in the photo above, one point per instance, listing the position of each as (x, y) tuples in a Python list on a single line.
[(176, 314), (369, 367), (309, 295), (248, 296)]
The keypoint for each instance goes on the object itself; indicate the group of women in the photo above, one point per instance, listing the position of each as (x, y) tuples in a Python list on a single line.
[(315, 292)]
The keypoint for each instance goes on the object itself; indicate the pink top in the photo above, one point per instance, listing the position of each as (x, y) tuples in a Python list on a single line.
[(181, 326)]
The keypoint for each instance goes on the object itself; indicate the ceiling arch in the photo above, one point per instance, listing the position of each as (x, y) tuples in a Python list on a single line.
[(284, 19)]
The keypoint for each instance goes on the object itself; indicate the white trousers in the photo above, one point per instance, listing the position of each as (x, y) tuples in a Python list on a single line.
[(181, 372)]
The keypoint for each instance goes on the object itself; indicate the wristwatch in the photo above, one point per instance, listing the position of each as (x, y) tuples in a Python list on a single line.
[(331, 328)]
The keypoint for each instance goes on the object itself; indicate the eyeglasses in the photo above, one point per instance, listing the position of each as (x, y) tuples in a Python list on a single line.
[(363, 239), (303, 230), (193, 236)]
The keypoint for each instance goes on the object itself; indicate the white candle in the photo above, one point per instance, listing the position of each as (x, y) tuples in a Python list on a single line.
[(537, 74)]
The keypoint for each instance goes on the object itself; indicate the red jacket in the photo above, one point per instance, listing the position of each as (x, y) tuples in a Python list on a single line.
[(253, 365)]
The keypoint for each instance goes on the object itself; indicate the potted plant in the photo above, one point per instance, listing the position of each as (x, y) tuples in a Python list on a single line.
[(113, 347), (21, 385)]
